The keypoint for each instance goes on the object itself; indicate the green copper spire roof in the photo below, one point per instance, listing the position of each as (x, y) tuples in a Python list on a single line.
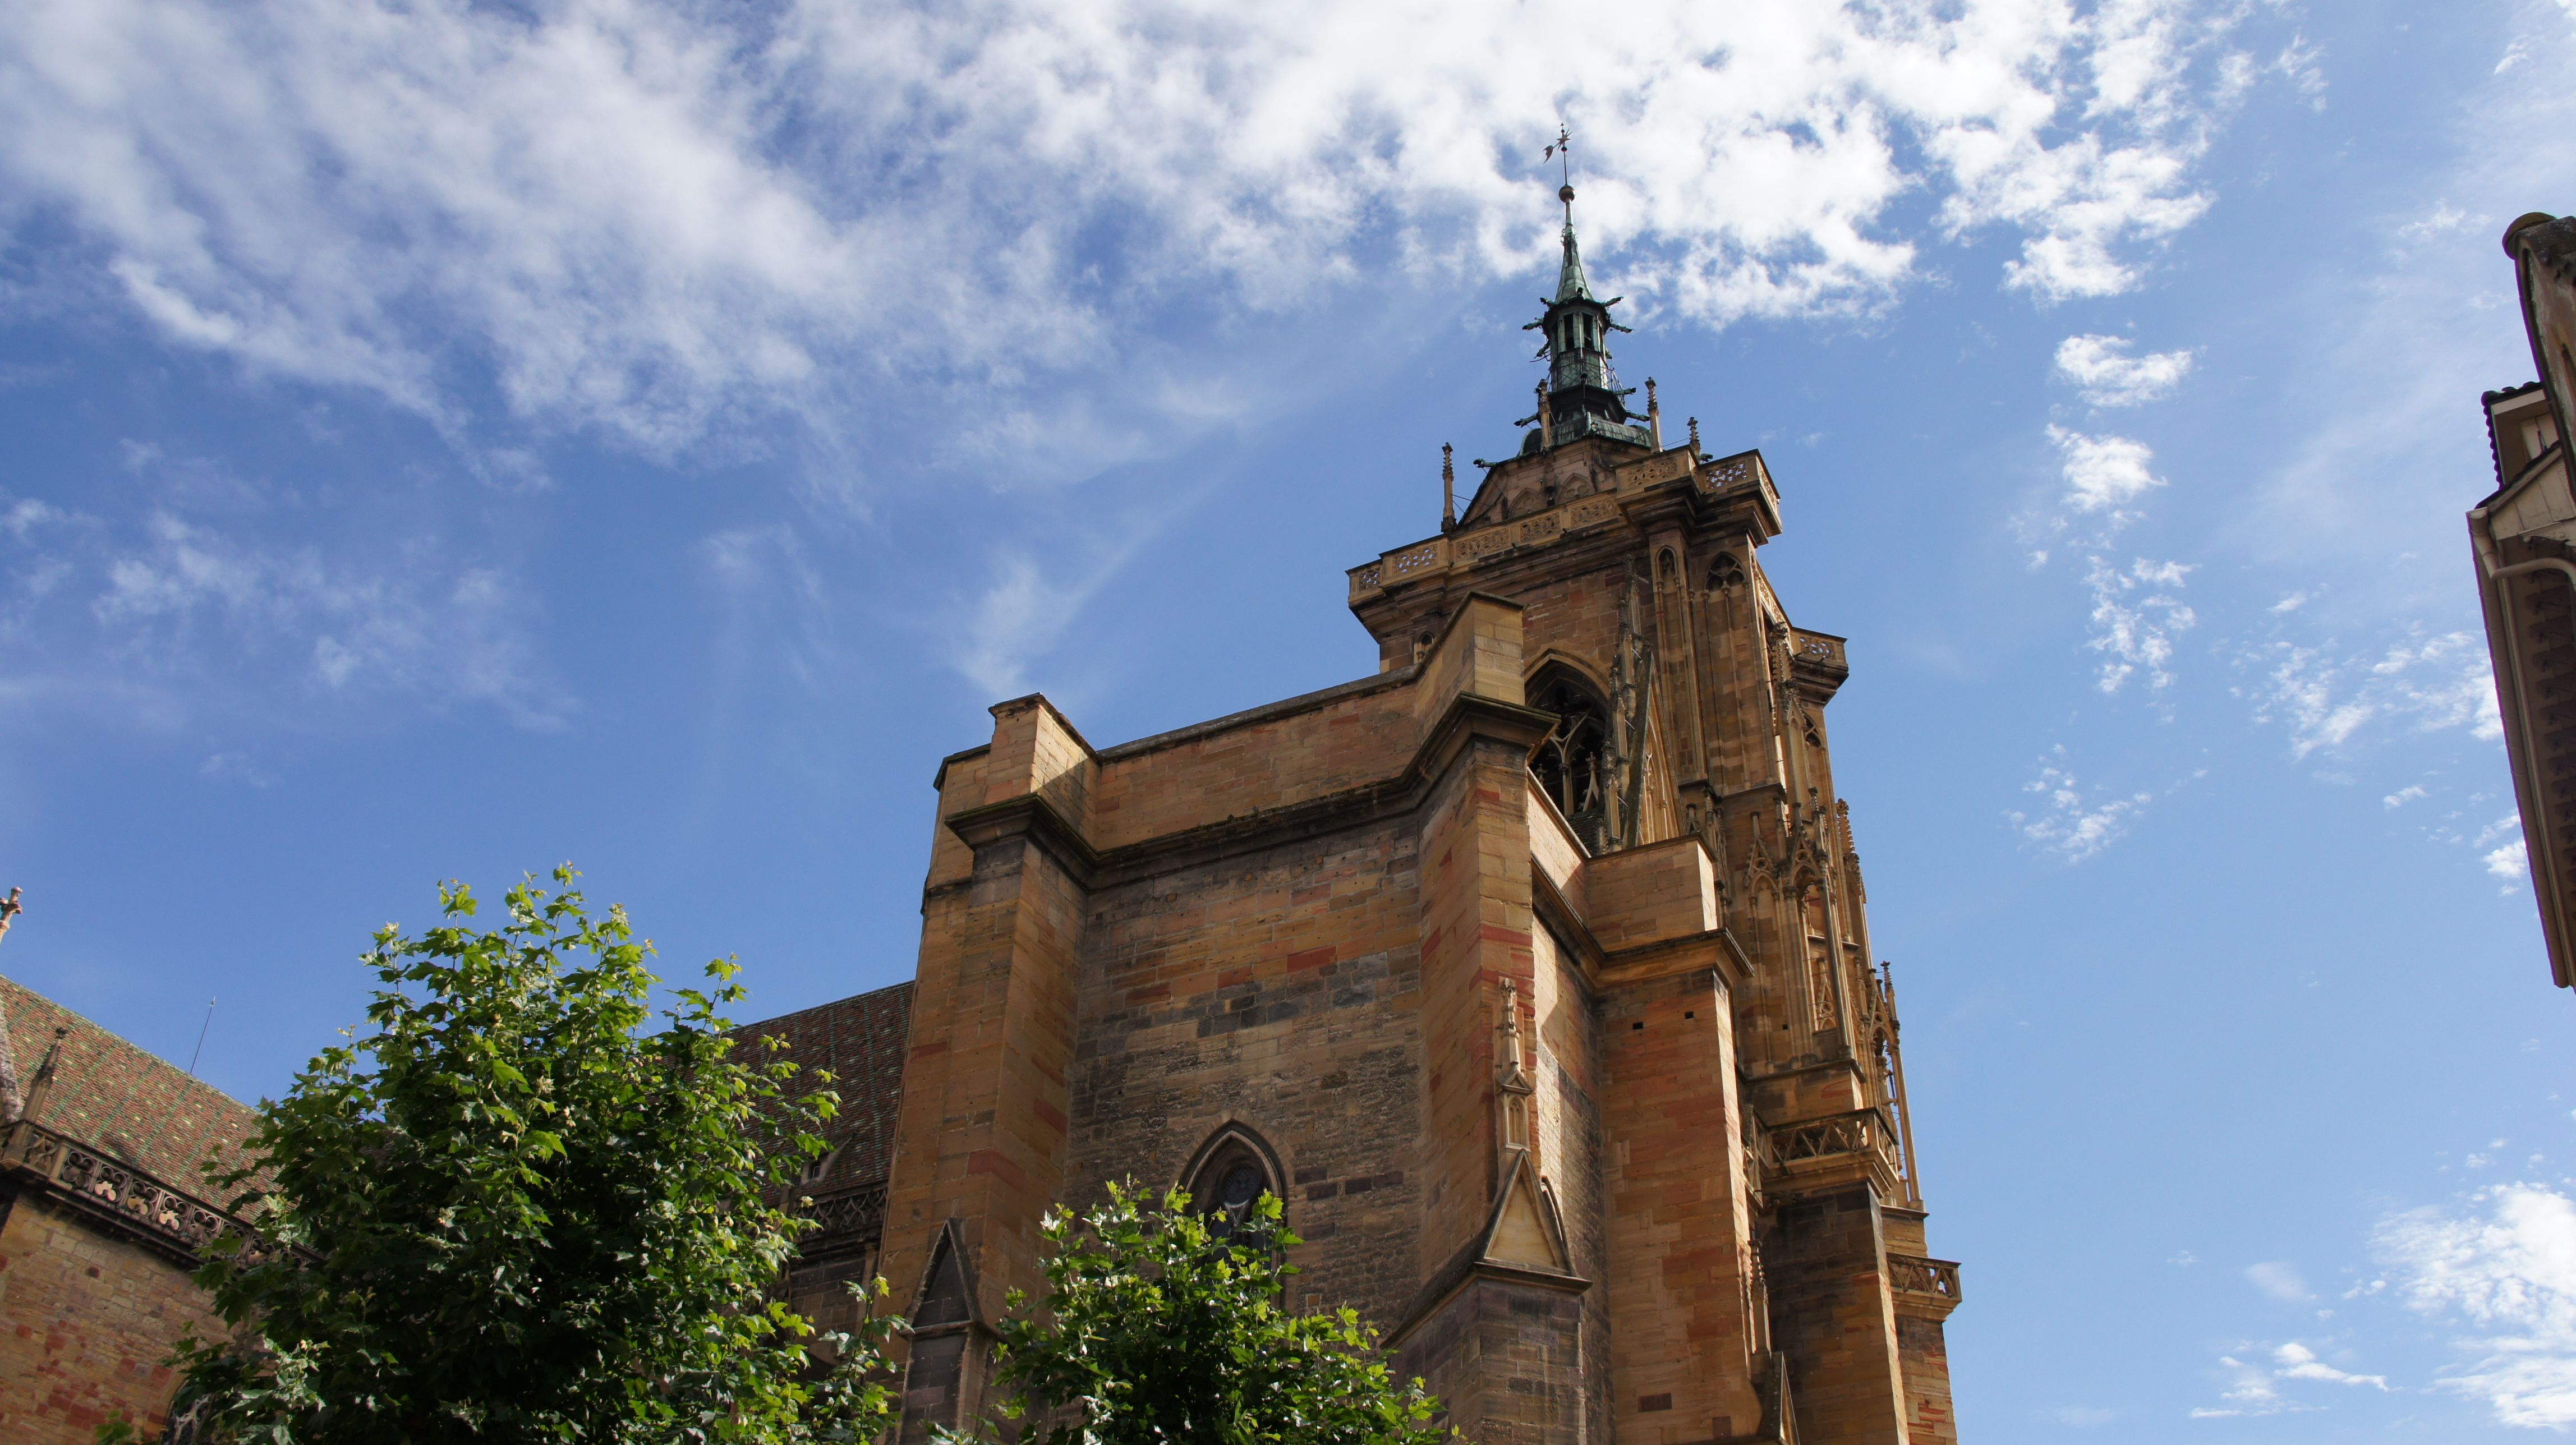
[(1570, 285)]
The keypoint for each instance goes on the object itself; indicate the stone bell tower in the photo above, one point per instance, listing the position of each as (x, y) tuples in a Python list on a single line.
[(1532, 973), (1687, 705)]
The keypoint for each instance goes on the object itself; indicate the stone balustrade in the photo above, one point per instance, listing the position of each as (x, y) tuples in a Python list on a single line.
[(175, 1223), (1466, 549), (1923, 1286)]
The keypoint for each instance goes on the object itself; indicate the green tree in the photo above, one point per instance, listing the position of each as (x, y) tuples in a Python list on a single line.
[(1165, 1327), (509, 1213)]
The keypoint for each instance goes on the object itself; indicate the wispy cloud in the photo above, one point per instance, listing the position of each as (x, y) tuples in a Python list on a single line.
[(661, 221), (2505, 1265), (2137, 614), (2068, 820), (2280, 1279), (2107, 375), (2326, 698), (2255, 1374), (127, 611)]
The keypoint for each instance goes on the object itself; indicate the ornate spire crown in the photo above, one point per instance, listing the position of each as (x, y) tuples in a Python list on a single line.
[(1582, 396)]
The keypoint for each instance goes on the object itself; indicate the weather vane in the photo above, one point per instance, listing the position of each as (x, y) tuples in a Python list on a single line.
[(1563, 154)]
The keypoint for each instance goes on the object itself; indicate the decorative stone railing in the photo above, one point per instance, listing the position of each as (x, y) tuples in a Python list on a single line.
[(1538, 529), (1862, 1136), (1744, 469), (1860, 1131), (850, 1209), (1924, 1286), (1820, 649), (178, 1223)]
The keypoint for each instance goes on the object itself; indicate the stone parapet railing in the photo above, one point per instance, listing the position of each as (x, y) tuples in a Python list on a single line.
[(172, 1222), (845, 1209), (1924, 1287), (1466, 549), (1862, 1141)]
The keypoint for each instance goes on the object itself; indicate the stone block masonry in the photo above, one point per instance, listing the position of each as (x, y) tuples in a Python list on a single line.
[(86, 1321)]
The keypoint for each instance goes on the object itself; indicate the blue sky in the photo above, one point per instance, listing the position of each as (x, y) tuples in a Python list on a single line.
[(448, 440)]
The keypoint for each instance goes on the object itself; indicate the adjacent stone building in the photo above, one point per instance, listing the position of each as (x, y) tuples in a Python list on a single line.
[(101, 1216), (1532, 971), (2521, 537)]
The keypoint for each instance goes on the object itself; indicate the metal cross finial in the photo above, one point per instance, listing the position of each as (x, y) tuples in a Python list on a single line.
[(1694, 423)]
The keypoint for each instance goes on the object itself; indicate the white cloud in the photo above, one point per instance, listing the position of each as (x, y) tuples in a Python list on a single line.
[(2070, 823), (2404, 796), (2444, 220), (2136, 617), (2298, 63), (2104, 474), (667, 220), (2109, 376), (2279, 1279), (2508, 859), (2298, 1362), (2426, 684), (2506, 1266), (2254, 1385)]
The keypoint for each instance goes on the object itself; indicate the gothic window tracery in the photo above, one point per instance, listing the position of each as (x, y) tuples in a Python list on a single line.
[(1725, 573), (1572, 765), (1234, 1170)]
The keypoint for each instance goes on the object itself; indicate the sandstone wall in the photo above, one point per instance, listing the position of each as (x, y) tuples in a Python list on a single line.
[(86, 1320)]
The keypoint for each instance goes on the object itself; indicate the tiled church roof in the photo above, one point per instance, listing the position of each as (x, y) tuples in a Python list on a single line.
[(121, 1100), (861, 1040)]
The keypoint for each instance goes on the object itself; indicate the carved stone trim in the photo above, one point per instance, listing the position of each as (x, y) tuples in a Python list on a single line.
[(174, 1224)]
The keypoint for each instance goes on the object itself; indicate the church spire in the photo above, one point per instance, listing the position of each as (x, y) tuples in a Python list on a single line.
[(1582, 396), (1570, 285)]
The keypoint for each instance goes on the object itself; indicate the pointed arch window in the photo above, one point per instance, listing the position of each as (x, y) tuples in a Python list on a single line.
[(1234, 1168)]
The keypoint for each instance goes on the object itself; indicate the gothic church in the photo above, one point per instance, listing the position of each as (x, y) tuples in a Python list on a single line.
[(1532, 972)]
